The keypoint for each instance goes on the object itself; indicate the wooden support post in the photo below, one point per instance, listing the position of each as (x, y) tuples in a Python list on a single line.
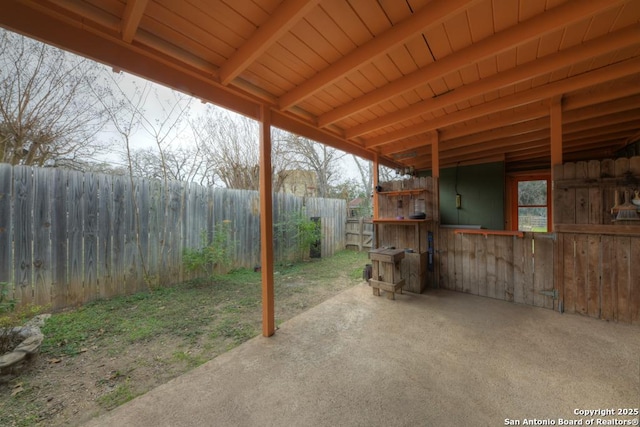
[(555, 116), (266, 223), (376, 171), (435, 173), (556, 131)]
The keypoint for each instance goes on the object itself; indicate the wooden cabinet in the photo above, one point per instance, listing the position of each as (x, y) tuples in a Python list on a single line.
[(396, 227)]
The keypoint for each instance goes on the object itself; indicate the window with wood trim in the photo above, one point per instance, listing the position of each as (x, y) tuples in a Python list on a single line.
[(531, 203)]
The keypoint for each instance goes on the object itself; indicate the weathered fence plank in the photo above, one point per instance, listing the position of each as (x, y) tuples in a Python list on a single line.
[(90, 235), (104, 257), (6, 225), (41, 238), (623, 269), (119, 235), (59, 246), (634, 291), (593, 276), (68, 237), (75, 208), (23, 233)]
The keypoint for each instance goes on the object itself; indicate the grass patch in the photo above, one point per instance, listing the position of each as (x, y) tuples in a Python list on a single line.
[(130, 344), (122, 393), (228, 307)]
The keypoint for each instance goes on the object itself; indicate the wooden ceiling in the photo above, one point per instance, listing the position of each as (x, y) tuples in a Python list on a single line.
[(385, 77)]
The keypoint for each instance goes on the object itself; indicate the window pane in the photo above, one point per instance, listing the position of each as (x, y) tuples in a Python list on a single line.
[(532, 192), (532, 219)]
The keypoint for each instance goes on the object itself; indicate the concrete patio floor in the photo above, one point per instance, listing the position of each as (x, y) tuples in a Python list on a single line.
[(438, 359)]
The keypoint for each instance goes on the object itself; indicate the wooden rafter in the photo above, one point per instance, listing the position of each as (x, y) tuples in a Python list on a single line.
[(590, 49), (434, 13), (280, 21), (519, 34), (550, 90), (131, 19)]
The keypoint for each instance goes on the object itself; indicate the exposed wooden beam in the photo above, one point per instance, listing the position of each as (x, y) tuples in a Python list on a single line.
[(131, 19), (533, 28), (624, 119), (619, 105), (506, 118), (547, 64), (435, 155), (610, 91), (288, 13), (574, 107), (433, 13), (550, 90), (500, 133), (266, 225), (582, 119)]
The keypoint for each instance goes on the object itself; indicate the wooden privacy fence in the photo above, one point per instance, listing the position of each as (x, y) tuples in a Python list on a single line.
[(68, 237)]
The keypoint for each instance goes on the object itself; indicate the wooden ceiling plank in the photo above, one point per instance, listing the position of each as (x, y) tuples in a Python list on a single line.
[(531, 29), (619, 105), (327, 27), (505, 14), (281, 21), (602, 23), (575, 107), (345, 17), (628, 36), (225, 17), (630, 14), (436, 12), (458, 32), (132, 15), (617, 122), (548, 91), (480, 18), (192, 23), (499, 133), (304, 55)]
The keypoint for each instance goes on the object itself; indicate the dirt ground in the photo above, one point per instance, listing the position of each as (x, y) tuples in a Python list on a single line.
[(69, 390)]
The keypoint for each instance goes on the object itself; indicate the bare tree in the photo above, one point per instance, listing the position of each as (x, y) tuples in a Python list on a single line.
[(320, 158), (229, 144), (365, 168), (47, 109)]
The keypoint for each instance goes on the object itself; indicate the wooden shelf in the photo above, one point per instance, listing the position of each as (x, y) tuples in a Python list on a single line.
[(400, 221), (489, 232), (402, 192)]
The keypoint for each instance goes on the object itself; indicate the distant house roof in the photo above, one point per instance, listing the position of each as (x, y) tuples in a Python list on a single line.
[(355, 203)]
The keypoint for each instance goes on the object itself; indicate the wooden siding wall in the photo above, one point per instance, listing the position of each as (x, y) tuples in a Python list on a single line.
[(509, 268), (388, 206), (598, 271), (584, 191), (598, 276), (68, 237), (592, 262)]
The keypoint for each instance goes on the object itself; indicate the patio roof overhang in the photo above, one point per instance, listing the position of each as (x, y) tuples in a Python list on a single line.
[(415, 83)]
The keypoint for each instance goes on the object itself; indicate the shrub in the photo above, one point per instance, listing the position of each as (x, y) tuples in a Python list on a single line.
[(212, 255), (302, 231)]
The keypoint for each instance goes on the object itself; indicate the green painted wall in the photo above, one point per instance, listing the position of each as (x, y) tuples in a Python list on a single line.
[(482, 192)]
